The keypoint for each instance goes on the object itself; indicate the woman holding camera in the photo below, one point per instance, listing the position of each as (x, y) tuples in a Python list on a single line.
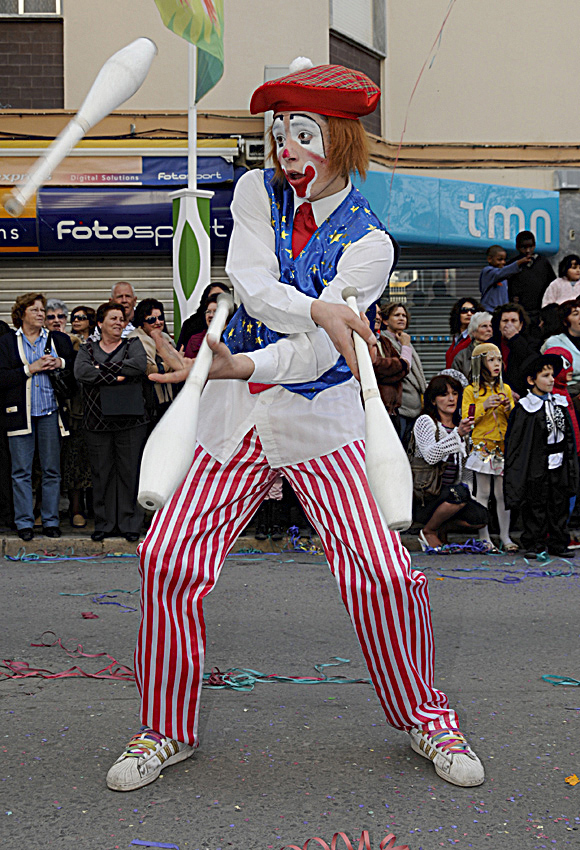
[(439, 435)]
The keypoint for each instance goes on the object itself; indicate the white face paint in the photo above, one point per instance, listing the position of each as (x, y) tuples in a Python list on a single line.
[(301, 140)]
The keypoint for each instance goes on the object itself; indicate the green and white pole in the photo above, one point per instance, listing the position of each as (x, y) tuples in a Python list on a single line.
[(191, 222)]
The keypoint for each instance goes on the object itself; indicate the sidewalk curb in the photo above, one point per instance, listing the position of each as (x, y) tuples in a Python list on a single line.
[(81, 544)]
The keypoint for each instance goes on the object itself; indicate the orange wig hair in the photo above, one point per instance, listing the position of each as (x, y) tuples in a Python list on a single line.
[(348, 151)]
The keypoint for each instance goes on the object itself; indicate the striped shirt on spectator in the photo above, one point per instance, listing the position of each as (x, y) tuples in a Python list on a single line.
[(43, 400)]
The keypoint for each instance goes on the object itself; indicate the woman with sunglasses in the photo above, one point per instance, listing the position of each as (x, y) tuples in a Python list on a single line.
[(83, 321), (459, 320), (150, 327), (56, 315)]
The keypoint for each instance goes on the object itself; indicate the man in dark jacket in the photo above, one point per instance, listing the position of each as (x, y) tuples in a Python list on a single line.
[(34, 413), (527, 286)]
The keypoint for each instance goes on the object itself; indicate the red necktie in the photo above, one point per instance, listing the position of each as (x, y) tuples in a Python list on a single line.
[(302, 229)]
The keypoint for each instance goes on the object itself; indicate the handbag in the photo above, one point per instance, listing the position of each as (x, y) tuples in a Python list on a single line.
[(122, 399), (427, 477), (60, 379)]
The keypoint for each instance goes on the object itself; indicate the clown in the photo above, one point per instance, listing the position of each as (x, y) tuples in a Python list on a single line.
[(283, 397)]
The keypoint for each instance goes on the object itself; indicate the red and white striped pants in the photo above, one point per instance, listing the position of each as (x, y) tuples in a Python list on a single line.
[(183, 553)]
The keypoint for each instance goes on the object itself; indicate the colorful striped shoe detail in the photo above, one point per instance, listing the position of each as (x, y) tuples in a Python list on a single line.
[(143, 759), (452, 757)]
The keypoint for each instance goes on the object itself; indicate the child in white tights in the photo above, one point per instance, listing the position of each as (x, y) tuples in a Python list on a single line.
[(491, 402)]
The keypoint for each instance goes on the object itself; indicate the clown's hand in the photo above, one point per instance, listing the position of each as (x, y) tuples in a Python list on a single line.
[(340, 323), (227, 365)]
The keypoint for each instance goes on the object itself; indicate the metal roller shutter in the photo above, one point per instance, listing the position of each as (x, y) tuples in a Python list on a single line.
[(88, 281), (429, 282)]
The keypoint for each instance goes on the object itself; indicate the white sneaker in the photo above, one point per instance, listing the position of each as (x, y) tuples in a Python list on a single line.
[(144, 757), (452, 757)]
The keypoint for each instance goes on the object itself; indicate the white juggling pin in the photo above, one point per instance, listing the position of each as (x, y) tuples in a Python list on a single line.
[(119, 78), (170, 448), (387, 467)]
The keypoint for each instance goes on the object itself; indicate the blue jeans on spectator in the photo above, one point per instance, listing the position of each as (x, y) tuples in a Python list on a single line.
[(46, 433)]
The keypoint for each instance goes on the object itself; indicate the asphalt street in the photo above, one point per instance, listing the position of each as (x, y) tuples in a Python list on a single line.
[(287, 762)]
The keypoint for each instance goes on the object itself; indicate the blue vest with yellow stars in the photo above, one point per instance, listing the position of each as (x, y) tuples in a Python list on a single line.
[(310, 272)]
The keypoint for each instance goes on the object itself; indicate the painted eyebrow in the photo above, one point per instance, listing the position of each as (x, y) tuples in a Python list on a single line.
[(294, 115)]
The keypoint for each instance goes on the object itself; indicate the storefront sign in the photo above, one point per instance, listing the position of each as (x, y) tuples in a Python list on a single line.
[(457, 213), (416, 210), (170, 171), (18, 235), (120, 221)]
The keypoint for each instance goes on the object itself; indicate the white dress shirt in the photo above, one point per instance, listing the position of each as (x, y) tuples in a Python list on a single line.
[(292, 428)]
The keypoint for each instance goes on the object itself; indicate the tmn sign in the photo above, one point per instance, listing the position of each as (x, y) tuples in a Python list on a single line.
[(462, 214)]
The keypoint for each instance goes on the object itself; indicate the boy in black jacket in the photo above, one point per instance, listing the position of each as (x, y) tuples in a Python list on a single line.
[(541, 464)]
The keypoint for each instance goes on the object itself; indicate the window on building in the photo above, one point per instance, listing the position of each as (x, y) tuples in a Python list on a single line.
[(358, 40), (30, 7), (31, 54)]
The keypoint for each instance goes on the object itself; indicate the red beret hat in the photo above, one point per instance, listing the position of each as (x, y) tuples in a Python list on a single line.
[(325, 89)]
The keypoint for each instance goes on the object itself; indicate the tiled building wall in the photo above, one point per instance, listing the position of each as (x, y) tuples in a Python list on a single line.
[(31, 58)]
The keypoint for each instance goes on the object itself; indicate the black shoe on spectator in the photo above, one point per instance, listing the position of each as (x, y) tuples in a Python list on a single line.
[(261, 533), (566, 553), (262, 520), (132, 536), (51, 531), (98, 536), (26, 534), (276, 520)]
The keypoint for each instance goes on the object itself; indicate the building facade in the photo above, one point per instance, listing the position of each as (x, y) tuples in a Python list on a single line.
[(473, 140)]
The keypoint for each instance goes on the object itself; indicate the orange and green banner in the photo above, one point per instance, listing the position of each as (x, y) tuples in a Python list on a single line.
[(201, 22)]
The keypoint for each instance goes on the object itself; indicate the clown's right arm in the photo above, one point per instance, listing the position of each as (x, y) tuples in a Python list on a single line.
[(252, 264)]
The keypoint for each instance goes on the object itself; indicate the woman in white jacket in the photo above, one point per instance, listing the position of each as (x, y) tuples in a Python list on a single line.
[(440, 439)]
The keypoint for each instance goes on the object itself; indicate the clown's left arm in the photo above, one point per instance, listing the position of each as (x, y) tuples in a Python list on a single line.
[(291, 360), (294, 359)]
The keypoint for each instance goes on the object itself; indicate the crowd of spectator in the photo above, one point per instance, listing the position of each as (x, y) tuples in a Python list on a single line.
[(513, 365), (77, 406)]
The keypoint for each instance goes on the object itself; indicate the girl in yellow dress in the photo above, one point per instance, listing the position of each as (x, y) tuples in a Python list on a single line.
[(491, 402)]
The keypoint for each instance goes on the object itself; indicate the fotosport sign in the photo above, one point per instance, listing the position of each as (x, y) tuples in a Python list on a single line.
[(120, 221)]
